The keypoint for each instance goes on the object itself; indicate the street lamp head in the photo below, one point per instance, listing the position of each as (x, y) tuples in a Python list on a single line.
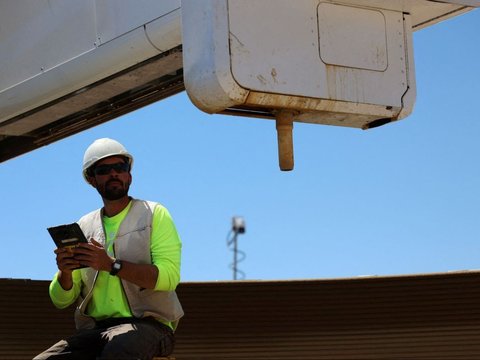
[(238, 224)]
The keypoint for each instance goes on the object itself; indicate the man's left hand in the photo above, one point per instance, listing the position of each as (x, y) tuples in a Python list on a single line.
[(93, 255)]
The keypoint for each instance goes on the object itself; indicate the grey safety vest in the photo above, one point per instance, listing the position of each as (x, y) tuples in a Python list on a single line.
[(132, 244)]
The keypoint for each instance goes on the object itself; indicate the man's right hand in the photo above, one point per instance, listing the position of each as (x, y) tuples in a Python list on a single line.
[(66, 263)]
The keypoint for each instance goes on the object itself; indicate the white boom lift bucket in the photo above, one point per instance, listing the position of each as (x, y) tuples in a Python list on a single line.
[(347, 63)]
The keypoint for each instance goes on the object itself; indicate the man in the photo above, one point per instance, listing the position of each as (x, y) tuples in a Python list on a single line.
[(127, 307)]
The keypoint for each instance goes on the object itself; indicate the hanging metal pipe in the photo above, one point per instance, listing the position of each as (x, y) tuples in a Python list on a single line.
[(284, 119)]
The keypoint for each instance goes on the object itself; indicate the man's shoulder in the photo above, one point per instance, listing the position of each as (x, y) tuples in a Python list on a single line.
[(153, 206), (90, 215)]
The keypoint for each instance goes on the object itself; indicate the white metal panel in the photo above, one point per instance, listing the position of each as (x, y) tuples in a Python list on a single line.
[(73, 75), (280, 54), (165, 33), (369, 86), (117, 17), (79, 61), (423, 12), (205, 43), (274, 47), (36, 36), (40, 63), (268, 55), (363, 33)]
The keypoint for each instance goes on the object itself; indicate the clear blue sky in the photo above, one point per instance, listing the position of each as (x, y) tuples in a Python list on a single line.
[(399, 199)]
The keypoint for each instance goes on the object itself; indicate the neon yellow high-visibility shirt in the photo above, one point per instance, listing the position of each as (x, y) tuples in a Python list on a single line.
[(108, 298)]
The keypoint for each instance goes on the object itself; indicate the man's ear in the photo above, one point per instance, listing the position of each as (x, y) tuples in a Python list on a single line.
[(91, 180)]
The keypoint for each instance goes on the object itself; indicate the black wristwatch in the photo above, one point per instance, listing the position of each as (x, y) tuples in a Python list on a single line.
[(116, 267)]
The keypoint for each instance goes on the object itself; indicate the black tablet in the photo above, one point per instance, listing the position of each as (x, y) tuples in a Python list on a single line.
[(68, 235)]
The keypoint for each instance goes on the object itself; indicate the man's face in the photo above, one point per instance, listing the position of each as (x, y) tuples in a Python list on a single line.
[(111, 177)]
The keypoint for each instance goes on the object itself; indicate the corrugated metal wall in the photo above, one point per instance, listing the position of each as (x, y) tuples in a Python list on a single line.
[(407, 317), (29, 323)]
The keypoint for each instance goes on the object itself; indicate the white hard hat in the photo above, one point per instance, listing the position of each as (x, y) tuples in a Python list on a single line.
[(101, 149)]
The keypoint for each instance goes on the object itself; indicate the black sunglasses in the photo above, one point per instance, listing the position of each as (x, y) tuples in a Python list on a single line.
[(105, 169)]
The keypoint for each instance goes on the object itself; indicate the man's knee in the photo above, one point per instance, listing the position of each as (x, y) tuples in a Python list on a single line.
[(143, 341), (129, 345)]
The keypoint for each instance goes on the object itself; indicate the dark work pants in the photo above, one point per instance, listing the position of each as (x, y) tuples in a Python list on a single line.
[(119, 339)]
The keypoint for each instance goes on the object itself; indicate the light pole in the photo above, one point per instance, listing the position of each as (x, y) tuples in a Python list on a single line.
[(238, 227)]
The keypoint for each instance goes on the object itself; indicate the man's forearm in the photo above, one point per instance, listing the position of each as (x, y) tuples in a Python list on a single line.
[(94, 255), (143, 275), (65, 279)]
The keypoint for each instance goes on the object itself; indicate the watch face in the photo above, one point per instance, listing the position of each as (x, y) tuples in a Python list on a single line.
[(116, 267)]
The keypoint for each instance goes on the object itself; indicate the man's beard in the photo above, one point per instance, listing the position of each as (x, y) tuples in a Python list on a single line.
[(115, 192)]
